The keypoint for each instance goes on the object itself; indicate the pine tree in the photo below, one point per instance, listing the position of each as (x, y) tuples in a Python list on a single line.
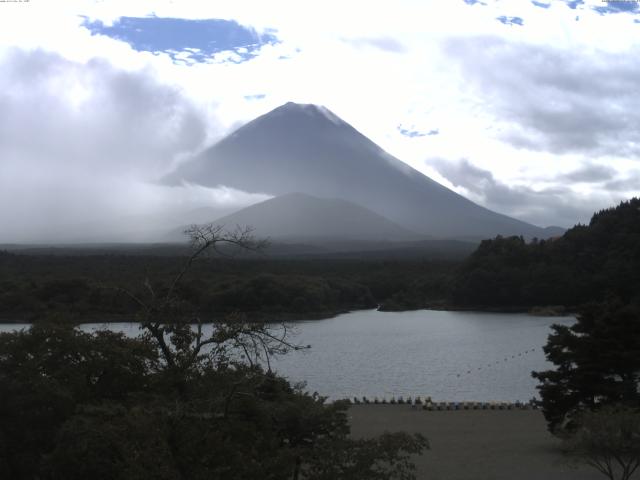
[(597, 363)]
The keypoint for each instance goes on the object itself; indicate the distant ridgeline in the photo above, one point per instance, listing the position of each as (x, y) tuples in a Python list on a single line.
[(588, 263)]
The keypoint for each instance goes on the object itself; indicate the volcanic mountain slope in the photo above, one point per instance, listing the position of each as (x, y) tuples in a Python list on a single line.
[(308, 149), (298, 216)]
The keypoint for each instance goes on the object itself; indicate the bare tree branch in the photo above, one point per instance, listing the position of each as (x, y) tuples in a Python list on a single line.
[(182, 345)]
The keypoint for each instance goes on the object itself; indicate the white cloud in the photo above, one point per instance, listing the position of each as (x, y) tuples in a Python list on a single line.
[(81, 142), (555, 100), (552, 204), (424, 64)]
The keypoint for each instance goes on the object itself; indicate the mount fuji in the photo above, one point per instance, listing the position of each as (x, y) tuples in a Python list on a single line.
[(307, 149)]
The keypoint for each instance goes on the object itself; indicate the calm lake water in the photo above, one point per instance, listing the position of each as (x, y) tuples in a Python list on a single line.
[(450, 356)]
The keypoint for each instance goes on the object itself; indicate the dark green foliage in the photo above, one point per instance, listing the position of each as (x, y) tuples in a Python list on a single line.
[(597, 363), (47, 372), (101, 406), (82, 288), (585, 264), (290, 293), (110, 442), (385, 458)]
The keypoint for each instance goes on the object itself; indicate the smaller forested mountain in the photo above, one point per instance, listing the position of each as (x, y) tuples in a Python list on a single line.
[(588, 263), (302, 216)]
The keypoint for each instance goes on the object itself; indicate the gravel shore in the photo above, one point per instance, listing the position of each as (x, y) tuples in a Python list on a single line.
[(475, 444)]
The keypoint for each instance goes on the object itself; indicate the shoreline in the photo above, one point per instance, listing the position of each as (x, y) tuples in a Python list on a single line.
[(427, 404), (536, 310), (294, 317), (130, 318)]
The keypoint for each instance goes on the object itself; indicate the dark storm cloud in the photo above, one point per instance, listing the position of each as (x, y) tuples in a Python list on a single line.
[(560, 101), (555, 205)]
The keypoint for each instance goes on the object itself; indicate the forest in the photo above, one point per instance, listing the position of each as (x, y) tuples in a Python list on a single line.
[(37, 287), (589, 262)]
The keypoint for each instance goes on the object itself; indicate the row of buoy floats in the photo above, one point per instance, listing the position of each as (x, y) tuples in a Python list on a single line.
[(428, 404), (497, 362)]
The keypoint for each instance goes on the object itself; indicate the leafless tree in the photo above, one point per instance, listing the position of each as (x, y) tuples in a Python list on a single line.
[(609, 441), (180, 334)]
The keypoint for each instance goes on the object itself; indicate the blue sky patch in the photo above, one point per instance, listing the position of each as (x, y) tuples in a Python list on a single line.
[(257, 96), (473, 2), (573, 4), (412, 133), (186, 41), (541, 4), (510, 20), (613, 6)]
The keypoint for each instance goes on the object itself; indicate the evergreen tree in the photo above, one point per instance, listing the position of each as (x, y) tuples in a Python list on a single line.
[(597, 362)]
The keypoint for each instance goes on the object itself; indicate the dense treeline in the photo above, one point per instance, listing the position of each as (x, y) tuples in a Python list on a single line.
[(588, 263), (34, 287)]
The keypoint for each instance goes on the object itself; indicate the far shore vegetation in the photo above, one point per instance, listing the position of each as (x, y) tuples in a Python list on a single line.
[(542, 276)]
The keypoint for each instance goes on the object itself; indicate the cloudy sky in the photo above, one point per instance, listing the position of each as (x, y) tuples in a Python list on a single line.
[(530, 108)]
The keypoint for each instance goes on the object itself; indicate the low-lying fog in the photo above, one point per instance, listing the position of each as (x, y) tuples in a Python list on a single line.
[(82, 145)]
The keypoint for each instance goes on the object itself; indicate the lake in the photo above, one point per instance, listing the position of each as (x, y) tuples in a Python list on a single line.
[(450, 356)]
